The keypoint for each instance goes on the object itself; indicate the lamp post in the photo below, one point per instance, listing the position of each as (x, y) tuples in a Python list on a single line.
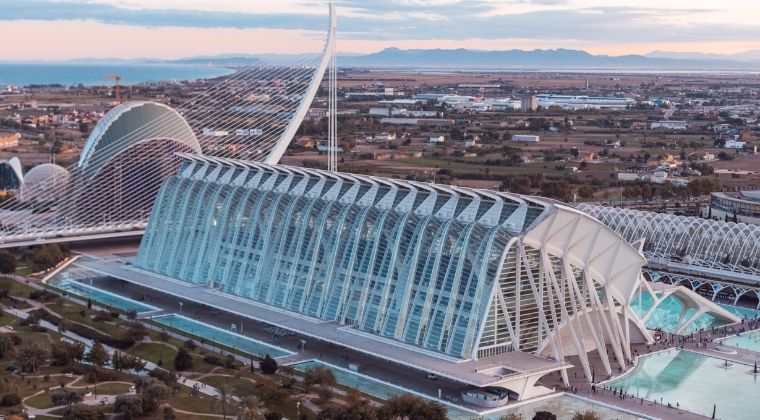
[(180, 306), (298, 410)]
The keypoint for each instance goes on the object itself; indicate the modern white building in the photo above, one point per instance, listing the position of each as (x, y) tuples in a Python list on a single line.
[(669, 125), (576, 102), (484, 288), (525, 138)]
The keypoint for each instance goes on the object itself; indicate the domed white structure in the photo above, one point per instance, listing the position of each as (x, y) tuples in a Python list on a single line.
[(46, 182)]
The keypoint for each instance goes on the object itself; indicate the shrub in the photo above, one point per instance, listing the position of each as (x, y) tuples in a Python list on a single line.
[(183, 360), (163, 375), (213, 360), (10, 399), (83, 412), (190, 345), (66, 397), (268, 365)]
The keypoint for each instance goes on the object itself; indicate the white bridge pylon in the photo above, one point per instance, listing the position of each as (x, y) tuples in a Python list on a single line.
[(251, 114)]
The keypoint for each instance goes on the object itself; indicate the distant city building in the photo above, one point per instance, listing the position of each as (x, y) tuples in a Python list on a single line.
[(583, 102), (669, 125), (379, 111), (528, 103), (734, 144), (525, 137), (9, 140), (479, 86)]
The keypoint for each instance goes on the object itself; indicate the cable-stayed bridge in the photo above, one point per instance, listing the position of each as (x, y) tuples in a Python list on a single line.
[(252, 114)]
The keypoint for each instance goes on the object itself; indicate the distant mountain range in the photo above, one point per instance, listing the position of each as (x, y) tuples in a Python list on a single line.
[(752, 55), (537, 59), (465, 59)]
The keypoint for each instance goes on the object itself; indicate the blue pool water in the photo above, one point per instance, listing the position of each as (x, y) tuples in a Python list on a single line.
[(71, 278), (741, 312), (665, 316), (220, 336), (696, 382), (564, 407), (749, 341)]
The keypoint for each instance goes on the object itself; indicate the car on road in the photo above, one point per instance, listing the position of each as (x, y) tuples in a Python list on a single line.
[(432, 376)]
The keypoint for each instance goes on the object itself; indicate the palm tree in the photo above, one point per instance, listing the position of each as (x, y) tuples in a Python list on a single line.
[(225, 397), (31, 356), (252, 408)]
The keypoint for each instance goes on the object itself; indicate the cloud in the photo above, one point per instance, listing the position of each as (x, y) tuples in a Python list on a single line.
[(399, 20)]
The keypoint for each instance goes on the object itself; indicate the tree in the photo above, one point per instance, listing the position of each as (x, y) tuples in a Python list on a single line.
[(30, 357), (586, 415), (252, 408), (66, 396), (129, 405), (9, 400), (168, 413), (271, 394), (7, 263), (360, 410), (412, 407), (6, 345), (183, 360), (83, 412), (125, 361), (61, 354), (586, 192), (98, 355), (225, 397), (268, 365), (544, 415), (319, 376)]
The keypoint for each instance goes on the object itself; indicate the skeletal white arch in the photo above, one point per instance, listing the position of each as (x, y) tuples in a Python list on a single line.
[(724, 248), (108, 139)]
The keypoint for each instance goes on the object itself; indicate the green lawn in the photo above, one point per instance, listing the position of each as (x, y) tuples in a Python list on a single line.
[(16, 289), (199, 403), (40, 401), (241, 387)]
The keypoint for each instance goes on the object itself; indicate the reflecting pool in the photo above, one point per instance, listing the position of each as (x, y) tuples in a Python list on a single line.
[(72, 281), (564, 407), (749, 341), (220, 336), (740, 311), (696, 382)]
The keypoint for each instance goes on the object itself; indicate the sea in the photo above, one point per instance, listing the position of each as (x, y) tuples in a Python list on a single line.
[(96, 74)]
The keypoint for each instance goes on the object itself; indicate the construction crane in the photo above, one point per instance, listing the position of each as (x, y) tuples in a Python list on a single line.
[(117, 87)]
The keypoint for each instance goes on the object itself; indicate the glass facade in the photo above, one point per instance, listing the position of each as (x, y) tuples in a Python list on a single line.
[(407, 261)]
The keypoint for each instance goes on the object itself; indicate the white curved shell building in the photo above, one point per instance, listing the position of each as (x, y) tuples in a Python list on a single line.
[(11, 176), (124, 127)]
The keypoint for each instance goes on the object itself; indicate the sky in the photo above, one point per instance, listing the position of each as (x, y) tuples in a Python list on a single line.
[(67, 29)]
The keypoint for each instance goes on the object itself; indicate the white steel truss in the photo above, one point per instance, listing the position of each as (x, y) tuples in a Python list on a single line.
[(252, 114)]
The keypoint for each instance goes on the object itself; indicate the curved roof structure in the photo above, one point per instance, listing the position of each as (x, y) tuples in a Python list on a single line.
[(45, 182), (712, 246), (123, 127), (11, 176), (458, 272)]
